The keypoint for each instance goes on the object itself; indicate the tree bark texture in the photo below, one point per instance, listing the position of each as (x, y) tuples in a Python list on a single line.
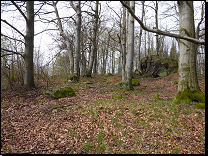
[(187, 58), (130, 49), (156, 24), (29, 45), (124, 45), (77, 8), (92, 55), (140, 36)]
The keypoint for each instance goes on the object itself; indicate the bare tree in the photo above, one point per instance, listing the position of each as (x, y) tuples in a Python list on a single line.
[(95, 29), (124, 45), (157, 31), (156, 25), (68, 42), (140, 36), (77, 9), (29, 42), (130, 49), (187, 58)]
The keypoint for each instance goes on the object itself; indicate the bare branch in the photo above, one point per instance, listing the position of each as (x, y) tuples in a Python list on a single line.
[(59, 21), (89, 13), (202, 18), (12, 38), (19, 10), (73, 6), (39, 8), (44, 31), (13, 27), (12, 52), (190, 39), (201, 35), (114, 11)]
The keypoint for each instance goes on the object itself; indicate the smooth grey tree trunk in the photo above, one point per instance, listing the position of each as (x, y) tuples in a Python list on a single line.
[(29, 45), (156, 24), (130, 49), (77, 9), (124, 45), (187, 58), (140, 36)]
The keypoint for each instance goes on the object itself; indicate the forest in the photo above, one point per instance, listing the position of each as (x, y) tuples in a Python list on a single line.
[(102, 77)]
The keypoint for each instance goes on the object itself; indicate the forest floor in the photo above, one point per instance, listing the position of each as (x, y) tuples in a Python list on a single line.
[(103, 118)]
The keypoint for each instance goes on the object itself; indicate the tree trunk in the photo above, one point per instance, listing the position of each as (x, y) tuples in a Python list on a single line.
[(124, 45), (95, 63), (140, 36), (130, 49), (66, 38), (112, 61), (148, 50), (71, 58), (77, 38), (145, 38), (95, 29), (187, 58), (29, 44), (156, 23), (178, 36)]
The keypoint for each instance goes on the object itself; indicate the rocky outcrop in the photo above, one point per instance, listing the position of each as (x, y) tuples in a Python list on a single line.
[(156, 66)]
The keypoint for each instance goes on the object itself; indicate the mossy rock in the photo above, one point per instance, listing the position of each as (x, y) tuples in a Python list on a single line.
[(189, 96), (137, 72), (145, 75), (106, 81), (118, 96), (109, 74), (200, 106), (141, 73), (163, 73), (144, 87), (174, 82), (156, 66), (60, 92), (135, 82), (74, 78), (119, 84)]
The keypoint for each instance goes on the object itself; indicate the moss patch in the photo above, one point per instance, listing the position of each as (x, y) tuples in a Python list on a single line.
[(174, 82), (144, 87), (109, 74), (186, 32), (74, 78), (200, 106), (144, 74), (119, 84), (188, 96), (135, 82), (106, 81), (61, 92)]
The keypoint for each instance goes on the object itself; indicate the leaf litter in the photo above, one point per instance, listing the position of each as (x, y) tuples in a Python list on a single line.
[(145, 120)]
